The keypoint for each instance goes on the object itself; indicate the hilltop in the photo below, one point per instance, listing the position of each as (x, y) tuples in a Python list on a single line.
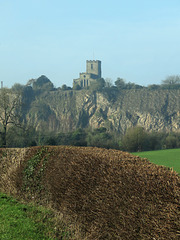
[(40, 114)]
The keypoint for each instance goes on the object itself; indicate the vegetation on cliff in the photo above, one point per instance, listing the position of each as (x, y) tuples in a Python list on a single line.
[(57, 113)]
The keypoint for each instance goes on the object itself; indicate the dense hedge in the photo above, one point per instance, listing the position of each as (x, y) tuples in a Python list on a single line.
[(104, 194)]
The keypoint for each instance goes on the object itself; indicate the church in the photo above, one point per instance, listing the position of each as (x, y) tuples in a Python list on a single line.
[(93, 72)]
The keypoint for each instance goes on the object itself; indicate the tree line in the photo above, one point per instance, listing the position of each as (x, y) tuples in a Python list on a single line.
[(135, 139), (171, 82), (44, 84), (41, 84)]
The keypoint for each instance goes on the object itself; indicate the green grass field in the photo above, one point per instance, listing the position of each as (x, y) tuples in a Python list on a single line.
[(19, 221), (26, 222), (169, 158)]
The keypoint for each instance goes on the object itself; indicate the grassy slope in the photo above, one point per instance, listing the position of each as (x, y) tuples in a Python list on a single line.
[(169, 158), (22, 221)]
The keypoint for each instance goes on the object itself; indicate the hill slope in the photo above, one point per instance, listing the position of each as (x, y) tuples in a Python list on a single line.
[(108, 194)]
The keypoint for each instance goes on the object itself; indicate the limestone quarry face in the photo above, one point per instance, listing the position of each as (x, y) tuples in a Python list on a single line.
[(155, 110)]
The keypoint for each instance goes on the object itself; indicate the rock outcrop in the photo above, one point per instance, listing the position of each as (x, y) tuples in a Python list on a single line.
[(62, 111)]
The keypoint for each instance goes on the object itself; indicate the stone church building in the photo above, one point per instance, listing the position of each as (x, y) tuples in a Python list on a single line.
[(93, 72)]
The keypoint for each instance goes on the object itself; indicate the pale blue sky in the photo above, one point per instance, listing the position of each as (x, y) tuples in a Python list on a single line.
[(138, 40)]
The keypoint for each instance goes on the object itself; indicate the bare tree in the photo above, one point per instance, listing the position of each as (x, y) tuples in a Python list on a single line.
[(173, 79), (10, 111), (108, 82)]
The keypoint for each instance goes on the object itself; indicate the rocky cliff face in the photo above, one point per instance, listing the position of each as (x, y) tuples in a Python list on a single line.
[(61, 111)]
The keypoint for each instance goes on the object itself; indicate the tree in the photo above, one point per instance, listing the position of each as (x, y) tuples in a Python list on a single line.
[(78, 137), (10, 109), (108, 82), (130, 85), (76, 86), (64, 87), (135, 139), (17, 88), (21, 137), (172, 80), (43, 83), (99, 137), (26, 93), (120, 83), (153, 87), (171, 141)]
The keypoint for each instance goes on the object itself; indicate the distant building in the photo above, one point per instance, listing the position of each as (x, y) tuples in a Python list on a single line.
[(93, 72)]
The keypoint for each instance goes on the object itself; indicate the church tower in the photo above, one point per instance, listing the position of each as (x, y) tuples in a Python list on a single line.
[(92, 74), (94, 67)]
